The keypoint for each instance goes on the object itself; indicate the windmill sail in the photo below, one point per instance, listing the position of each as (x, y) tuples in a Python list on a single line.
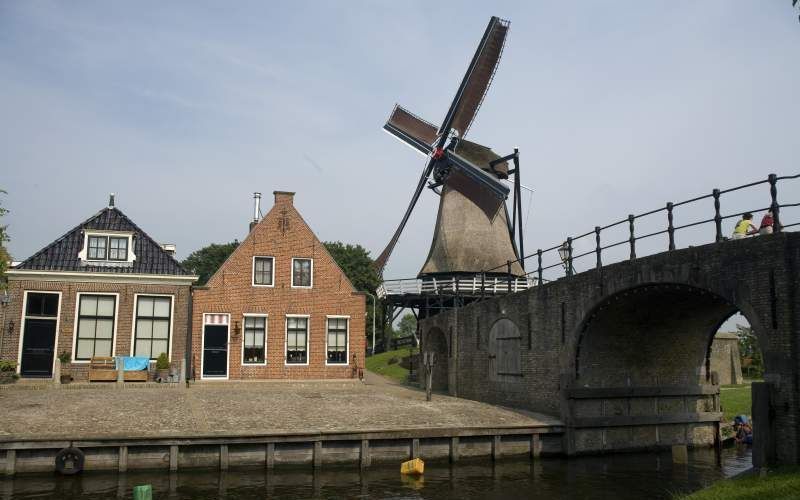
[(411, 129)]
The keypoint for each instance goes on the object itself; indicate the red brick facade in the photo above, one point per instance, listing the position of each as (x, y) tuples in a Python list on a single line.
[(124, 321), (283, 235)]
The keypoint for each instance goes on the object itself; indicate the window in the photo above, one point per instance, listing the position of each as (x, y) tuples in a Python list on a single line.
[(117, 248), (153, 315), (97, 247), (296, 340), (42, 304), (262, 271), (255, 334), (337, 340), (301, 272), (95, 333)]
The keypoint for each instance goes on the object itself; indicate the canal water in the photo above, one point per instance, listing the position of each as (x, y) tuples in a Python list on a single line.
[(619, 477)]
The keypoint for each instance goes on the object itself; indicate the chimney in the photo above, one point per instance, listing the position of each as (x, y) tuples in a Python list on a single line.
[(111, 200), (256, 210), (284, 197)]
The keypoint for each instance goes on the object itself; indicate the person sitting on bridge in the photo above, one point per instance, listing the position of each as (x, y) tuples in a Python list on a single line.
[(742, 429), (744, 227), (767, 223)]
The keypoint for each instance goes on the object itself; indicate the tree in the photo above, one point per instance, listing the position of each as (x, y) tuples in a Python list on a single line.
[(5, 258), (749, 351), (359, 268), (205, 262), (407, 327)]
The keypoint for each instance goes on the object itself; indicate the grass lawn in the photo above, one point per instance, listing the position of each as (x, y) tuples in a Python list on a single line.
[(380, 364), (735, 400), (782, 483)]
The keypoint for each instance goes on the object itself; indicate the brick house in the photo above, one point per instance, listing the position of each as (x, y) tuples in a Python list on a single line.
[(105, 288), (278, 308)]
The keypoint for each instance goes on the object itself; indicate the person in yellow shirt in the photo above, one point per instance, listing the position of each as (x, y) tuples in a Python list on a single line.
[(745, 227)]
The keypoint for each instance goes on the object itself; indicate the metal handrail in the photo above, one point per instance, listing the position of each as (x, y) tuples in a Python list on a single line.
[(568, 245)]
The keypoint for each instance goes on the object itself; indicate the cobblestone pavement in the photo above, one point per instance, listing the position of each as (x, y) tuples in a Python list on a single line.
[(227, 409)]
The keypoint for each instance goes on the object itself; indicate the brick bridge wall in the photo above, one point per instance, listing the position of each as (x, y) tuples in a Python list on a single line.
[(620, 353)]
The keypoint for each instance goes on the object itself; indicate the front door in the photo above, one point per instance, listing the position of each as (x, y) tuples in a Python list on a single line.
[(215, 351), (39, 335)]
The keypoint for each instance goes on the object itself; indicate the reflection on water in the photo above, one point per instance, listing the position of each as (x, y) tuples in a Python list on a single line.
[(624, 476)]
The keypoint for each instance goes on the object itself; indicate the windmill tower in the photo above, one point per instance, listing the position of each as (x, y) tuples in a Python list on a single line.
[(475, 245)]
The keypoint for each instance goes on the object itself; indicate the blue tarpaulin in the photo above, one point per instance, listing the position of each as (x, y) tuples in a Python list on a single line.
[(134, 363)]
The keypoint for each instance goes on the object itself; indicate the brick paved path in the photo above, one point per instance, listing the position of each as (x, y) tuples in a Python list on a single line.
[(240, 409)]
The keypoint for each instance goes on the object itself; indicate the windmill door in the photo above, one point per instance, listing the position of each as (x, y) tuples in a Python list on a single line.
[(39, 335), (215, 346), (504, 344)]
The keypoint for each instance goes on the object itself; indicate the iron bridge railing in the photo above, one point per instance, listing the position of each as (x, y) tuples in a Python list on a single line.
[(565, 249)]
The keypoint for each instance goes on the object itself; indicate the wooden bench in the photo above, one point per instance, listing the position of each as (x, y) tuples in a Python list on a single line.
[(102, 369), (135, 375)]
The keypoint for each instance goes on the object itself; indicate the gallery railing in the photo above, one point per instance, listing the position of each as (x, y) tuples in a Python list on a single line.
[(566, 257)]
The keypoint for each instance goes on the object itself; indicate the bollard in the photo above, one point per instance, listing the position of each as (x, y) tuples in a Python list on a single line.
[(143, 492)]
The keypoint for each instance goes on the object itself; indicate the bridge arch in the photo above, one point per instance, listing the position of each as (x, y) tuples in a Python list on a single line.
[(653, 334)]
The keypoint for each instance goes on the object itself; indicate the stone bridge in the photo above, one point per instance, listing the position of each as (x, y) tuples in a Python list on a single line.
[(621, 353)]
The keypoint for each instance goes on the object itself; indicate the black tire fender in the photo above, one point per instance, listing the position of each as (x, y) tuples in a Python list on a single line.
[(70, 461)]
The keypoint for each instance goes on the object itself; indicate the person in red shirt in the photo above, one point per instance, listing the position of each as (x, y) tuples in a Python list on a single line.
[(766, 223)]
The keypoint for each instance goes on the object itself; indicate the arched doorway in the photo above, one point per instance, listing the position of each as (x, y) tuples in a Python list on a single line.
[(504, 348), (435, 341)]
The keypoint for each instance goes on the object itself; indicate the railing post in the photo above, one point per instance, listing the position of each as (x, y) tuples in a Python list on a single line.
[(569, 256), (598, 249), (539, 257), (632, 238), (670, 227), (717, 215), (775, 208), (508, 270), (483, 284)]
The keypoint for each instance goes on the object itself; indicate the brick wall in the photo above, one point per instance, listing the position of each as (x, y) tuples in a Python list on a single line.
[(281, 234), (640, 323), (66, 324)]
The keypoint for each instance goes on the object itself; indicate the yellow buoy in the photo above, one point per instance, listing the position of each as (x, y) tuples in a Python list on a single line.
[(416, 466)]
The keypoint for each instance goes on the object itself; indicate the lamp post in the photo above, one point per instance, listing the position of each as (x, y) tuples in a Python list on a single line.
[(374, 300), (565, 253)]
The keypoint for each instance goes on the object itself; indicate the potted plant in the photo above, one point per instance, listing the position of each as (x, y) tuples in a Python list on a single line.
[(162, 367), (8, 372), (66, 374)]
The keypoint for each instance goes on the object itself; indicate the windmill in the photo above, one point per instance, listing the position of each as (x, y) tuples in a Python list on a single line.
[(473, 232)]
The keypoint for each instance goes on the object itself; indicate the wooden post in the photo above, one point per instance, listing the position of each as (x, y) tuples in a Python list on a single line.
[(454, 449), (536, 446), (122, 464), (269, 459), (11, 462), (414, 448), (173, 458), (365, 460), (317, 454), (223, 457), (496, 454)]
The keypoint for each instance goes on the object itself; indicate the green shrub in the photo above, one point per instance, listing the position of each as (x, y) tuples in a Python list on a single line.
[(64, 357), (162, 363), (393, 360), (8, 366)]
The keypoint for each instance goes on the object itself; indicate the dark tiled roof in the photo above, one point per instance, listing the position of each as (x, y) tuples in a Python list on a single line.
[(62, 254)]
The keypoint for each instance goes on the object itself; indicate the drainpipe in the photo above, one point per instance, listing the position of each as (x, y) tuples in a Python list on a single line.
[(373, 321), (188, 355)]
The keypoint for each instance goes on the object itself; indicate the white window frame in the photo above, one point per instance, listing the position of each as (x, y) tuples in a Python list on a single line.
[(203, 347), (253, 271), (347, 337), (311, 285), (286, 339), (171, 320), (83, 255), (22, 328), (266, 332), (74, 351)]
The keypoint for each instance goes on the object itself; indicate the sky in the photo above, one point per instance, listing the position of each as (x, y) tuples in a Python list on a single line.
[(184, 109)]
